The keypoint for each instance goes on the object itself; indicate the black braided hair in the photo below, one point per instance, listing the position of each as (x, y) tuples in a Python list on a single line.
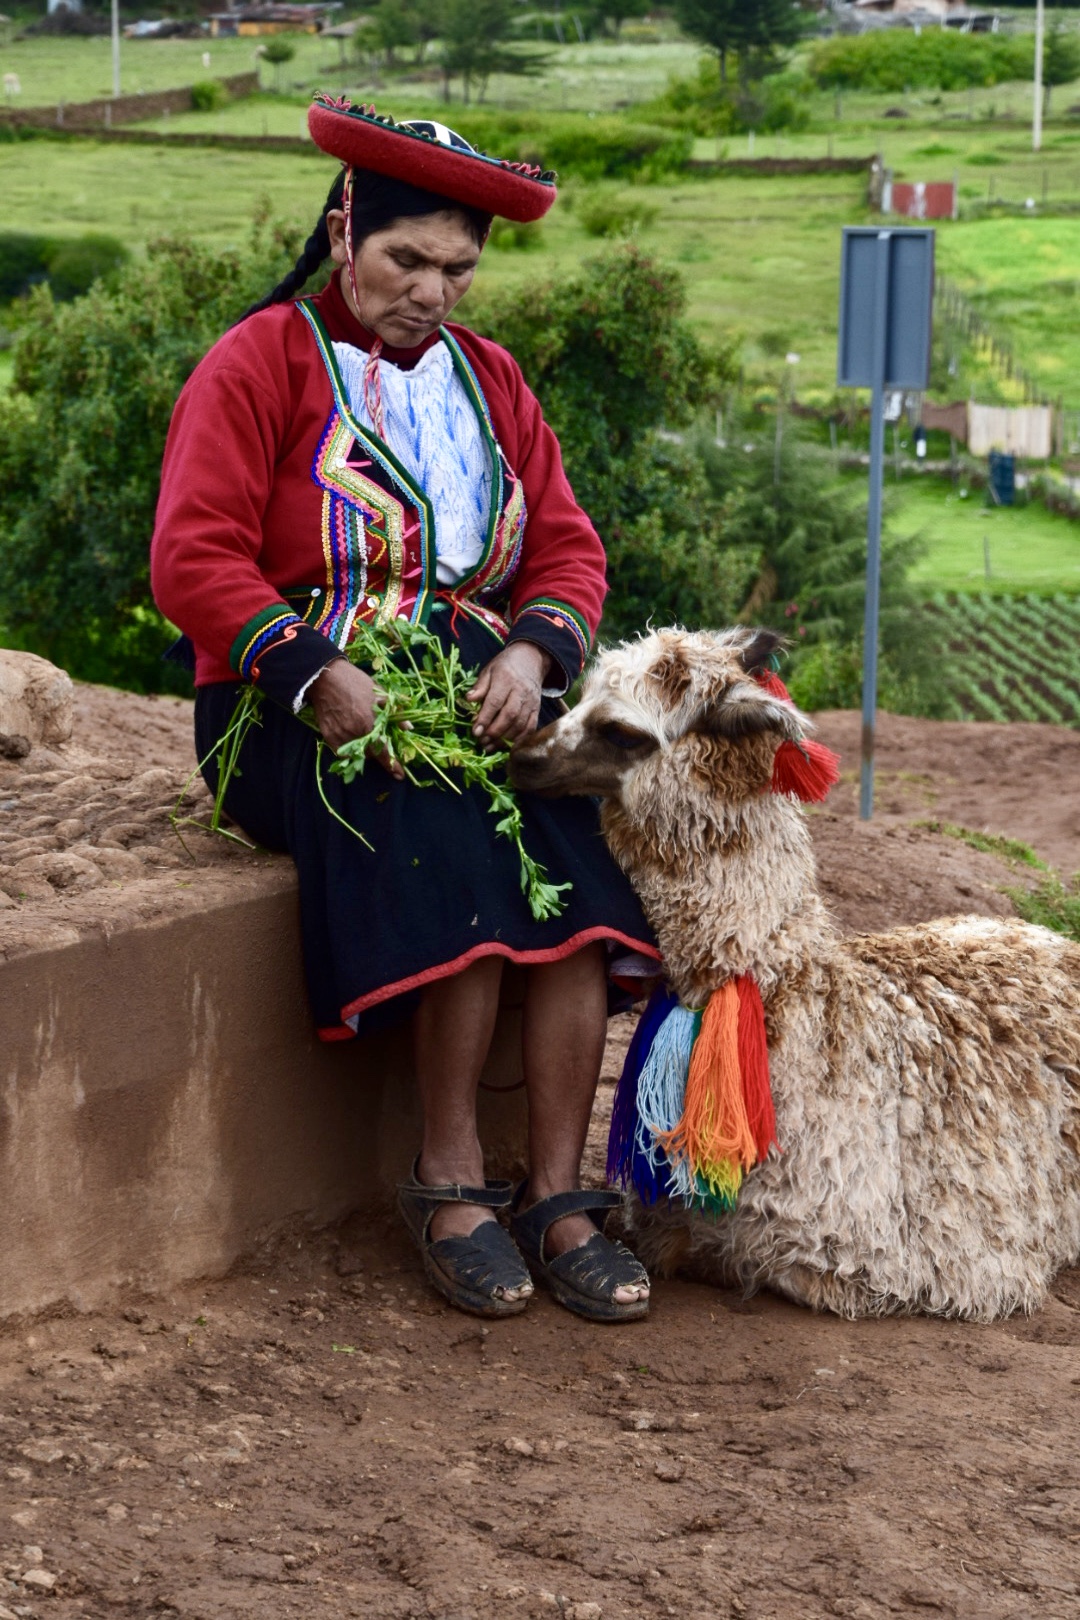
[(377, 201)]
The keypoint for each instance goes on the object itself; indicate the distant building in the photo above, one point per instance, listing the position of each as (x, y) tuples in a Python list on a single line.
[(253, 20), (860, 14), (64, 5)]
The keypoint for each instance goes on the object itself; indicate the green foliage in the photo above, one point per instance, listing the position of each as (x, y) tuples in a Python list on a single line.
[(81, 437), (1007, 849), (208, 95), (514, 236), (605, 147), (1053, 903), (990, 673), (75, 264), (605, 212), (278, 49), (895, 59), (1061, 56), (711, 105), (616, 12), (754, 30), (70, 264), (474, 35), (612, 361)]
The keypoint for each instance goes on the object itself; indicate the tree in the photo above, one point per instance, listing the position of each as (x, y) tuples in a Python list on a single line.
[(96, 380), (617, 11), (1061, 57), (752, 29), (391, 26), (278, 51), (474, 37)]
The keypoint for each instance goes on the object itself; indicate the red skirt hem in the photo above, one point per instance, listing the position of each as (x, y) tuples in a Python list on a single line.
[(445, 970)]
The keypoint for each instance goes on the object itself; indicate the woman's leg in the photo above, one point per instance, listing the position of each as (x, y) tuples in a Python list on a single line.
[(452, 1032), (563, 1039)]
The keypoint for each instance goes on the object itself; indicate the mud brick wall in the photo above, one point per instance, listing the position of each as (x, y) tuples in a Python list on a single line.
[(165, 1106)]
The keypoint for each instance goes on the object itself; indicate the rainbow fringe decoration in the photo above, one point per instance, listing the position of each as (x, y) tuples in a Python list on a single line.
[(693, 1109)]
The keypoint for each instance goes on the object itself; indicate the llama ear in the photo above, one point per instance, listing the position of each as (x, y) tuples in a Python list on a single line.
[(756, 655), (747, 710)]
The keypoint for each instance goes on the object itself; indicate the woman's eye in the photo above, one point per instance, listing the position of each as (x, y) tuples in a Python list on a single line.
[(624, 736)]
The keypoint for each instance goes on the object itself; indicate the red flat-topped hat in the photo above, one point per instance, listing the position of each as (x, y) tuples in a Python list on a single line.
[(427, 154)]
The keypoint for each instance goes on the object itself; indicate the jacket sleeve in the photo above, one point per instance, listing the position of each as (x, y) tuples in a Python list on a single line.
[(558, 592), (219, 465)]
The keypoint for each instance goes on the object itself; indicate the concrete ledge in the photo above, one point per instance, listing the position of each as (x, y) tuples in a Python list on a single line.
[(166, 1105)]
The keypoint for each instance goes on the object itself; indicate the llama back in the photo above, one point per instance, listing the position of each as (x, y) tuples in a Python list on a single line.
[(927, 1085)]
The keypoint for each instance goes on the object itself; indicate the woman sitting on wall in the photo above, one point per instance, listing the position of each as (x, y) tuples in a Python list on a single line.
[(350, 457)]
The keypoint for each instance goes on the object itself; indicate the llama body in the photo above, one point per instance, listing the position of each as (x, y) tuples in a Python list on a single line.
[(926, 1081)]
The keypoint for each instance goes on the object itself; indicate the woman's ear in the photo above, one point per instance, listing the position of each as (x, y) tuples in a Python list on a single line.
[(335, 226)]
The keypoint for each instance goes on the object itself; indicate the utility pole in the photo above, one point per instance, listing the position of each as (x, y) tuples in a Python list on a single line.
[(116, 47), (1037, 109)]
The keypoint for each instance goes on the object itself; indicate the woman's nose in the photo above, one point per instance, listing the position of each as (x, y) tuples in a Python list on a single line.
[(427, 290)]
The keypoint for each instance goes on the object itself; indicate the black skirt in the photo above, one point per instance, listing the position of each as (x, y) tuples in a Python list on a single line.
[(439, 889)]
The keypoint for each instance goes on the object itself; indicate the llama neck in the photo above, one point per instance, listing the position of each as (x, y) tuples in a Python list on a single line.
[(729, 889)]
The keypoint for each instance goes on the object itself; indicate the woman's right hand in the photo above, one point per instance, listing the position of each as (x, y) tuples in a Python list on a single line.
[(344, 699)]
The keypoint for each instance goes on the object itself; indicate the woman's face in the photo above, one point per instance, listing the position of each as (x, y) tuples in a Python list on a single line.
[(409, 276)]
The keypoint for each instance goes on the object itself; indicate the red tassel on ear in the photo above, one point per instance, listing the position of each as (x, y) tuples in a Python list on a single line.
[(807, 769)]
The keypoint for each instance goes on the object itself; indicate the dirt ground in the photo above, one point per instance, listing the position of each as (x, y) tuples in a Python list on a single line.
[(315, 1435)]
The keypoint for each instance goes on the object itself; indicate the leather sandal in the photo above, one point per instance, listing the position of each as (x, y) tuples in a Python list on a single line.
[(584, 1279), (475, 1272)]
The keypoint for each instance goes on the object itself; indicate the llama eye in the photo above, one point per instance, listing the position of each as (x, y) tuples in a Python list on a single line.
[(625, 736)]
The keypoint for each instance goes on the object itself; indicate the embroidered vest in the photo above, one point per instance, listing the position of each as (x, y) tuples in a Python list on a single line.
[(378, 526)]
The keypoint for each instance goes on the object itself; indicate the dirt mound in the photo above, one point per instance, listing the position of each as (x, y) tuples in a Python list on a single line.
[(317, 1436)]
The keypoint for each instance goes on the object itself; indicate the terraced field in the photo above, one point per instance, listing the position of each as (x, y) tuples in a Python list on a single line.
[(1012, 658)]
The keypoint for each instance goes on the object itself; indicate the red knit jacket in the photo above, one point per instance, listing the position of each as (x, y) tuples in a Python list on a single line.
[(242, 519)]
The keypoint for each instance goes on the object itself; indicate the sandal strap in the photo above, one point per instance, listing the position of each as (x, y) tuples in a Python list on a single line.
[(530, 1227), (420, 1203)]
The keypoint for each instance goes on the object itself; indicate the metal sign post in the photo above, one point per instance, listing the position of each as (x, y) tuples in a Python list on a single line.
[(886, 301)]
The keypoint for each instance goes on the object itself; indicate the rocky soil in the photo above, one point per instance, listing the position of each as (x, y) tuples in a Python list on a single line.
[(317, 1436)]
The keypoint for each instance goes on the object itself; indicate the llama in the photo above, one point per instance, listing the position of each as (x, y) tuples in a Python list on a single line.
[(926, 1081)]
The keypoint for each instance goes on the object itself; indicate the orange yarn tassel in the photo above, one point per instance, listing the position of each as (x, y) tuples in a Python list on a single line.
[(754, 1065), (714, 1133), (808, 770)]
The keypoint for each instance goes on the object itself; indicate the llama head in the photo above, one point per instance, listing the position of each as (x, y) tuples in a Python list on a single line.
[(673, 698)]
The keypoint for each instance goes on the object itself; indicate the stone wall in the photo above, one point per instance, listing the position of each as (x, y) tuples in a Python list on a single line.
[(109, 111)]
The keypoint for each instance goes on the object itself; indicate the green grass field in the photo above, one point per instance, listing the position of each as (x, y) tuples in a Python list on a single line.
[(1030, 548)]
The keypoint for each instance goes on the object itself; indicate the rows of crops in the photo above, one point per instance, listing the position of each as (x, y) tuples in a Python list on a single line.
[(1012, 658)]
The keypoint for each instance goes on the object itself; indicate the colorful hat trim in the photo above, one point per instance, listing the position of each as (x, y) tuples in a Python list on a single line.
[(425, 153)]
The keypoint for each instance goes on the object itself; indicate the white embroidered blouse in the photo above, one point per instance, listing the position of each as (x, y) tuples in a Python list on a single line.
[(432, 428)]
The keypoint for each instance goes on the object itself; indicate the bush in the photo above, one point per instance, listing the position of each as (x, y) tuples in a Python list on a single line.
[(604, 212), (71, 265), (94, 383), (511, 236), (208, 95), (612, 361), (937, 58), (22, 262), (605, 147), (708, 105), (75, 265)]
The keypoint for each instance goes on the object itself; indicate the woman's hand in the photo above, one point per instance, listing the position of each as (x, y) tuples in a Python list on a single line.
[(508, 692), (344, 699)]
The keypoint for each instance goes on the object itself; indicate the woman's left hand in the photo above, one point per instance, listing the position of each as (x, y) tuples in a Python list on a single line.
[(508, 692)]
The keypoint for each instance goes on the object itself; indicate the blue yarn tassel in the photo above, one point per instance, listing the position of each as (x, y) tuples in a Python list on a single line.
[(622, 1161), (661, 1095)]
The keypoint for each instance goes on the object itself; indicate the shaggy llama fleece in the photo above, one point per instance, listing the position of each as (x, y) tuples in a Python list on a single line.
[(926, 1080)]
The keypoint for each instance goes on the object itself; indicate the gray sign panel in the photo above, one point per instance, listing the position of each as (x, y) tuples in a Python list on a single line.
[(894, 267)]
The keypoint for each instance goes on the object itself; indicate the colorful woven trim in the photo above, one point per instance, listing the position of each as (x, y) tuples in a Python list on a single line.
[(269, 626), (693, 1110), (562, 616)]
